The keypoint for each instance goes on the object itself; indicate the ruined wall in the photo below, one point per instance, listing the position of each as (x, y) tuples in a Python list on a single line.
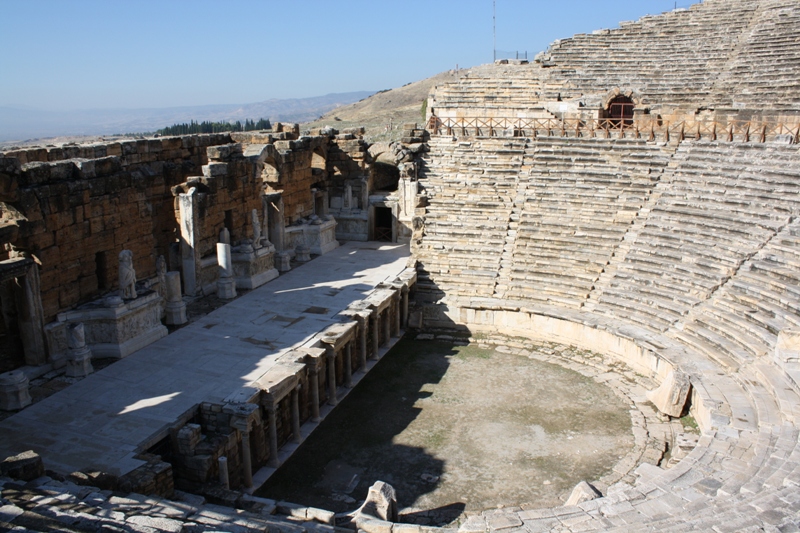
[(292, 167), (228, 191), (75, 215)]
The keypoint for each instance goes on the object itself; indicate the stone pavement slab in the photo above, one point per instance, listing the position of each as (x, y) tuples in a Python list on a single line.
[(100, 422)]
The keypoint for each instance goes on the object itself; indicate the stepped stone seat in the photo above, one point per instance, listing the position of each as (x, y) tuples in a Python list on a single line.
[(705, 269)]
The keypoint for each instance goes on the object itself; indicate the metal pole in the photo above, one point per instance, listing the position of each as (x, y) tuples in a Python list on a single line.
[(494, 29)]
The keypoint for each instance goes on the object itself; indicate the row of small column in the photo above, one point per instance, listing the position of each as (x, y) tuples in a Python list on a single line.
[(382, 315)]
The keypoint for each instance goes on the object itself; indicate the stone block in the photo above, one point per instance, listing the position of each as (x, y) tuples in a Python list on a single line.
[(188, 438), (25, 466), (670, 397), (381, 504), (583, 492), (787, 350)]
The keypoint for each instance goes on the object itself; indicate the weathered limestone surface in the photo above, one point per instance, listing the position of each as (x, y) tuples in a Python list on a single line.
[(671, 396), (26, 466), (46, 504), (583, 492)]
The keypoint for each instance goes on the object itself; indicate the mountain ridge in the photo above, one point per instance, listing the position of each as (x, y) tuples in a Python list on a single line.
[(18, 123)]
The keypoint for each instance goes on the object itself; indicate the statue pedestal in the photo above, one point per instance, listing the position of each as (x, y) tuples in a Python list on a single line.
[(319, 238), (253, 267), (114, 327)]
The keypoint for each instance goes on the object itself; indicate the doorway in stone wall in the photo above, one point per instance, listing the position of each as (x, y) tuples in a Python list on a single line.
[(620, 111), (383, 224), (12, 353)]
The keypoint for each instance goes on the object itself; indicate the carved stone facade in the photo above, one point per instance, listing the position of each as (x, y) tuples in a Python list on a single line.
[(99, 237)]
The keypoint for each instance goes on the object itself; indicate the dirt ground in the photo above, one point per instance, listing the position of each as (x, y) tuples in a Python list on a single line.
[(457, 428)]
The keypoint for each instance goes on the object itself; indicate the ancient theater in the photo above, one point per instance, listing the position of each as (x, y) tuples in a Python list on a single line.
[(181, 314)]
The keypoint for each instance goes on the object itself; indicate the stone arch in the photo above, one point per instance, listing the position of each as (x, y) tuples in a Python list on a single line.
[(266, 167), (618, 107), (635, 97), (319, 163)]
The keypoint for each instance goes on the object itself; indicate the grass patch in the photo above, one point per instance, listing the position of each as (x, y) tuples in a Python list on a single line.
[(471, 352), (690, 424)]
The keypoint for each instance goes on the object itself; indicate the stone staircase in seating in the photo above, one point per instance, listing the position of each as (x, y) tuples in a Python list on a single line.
[(698, 41), (470, 191), (706, 280), (581, 197), (771, 48)]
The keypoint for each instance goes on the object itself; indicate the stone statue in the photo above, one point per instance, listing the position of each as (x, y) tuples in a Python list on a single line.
[(127, 275), (76, 337), (256, 229), (161, 272), (79, 356)]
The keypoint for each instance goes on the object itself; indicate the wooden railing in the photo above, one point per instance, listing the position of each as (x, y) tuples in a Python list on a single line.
[(651, 129)]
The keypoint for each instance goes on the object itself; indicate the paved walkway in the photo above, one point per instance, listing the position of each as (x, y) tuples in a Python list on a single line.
[(100, 421)]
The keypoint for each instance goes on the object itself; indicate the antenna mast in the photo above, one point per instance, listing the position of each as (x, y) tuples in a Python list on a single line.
[(494, 29)]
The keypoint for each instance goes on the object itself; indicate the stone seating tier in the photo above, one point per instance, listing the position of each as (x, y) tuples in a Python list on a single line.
[(742, 474), (717, 55)]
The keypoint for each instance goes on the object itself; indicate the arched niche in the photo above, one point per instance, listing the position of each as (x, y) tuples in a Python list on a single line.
[(319, 163), (618, 107)]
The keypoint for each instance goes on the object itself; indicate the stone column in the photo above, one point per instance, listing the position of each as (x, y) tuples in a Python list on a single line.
[(348, 364), (224, 478), (404, 307), (226, 285), (374, 320), (273, 434), (296, 414), (273, 205), (330, 354), (362, 340), (30, 317), (247, 459), (387, 324), (347, 200), (313, 374), (79, 356), (175, 310), (187, 203), (396, 305)]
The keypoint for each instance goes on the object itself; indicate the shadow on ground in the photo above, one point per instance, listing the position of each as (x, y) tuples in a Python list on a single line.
[(356, 444)]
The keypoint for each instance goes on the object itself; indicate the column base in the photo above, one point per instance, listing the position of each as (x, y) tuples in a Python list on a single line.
[(226, 288), (283, 262), (79, 362), (14, 394), (175, 313)]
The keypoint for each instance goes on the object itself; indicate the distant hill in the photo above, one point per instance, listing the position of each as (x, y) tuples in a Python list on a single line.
[(20, 124), (395, 106)]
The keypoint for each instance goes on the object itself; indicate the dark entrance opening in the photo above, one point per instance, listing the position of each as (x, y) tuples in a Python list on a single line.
[(383, 224), (620, 111), (12, 354)]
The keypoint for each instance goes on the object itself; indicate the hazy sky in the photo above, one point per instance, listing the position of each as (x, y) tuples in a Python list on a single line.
[(73, 54)]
